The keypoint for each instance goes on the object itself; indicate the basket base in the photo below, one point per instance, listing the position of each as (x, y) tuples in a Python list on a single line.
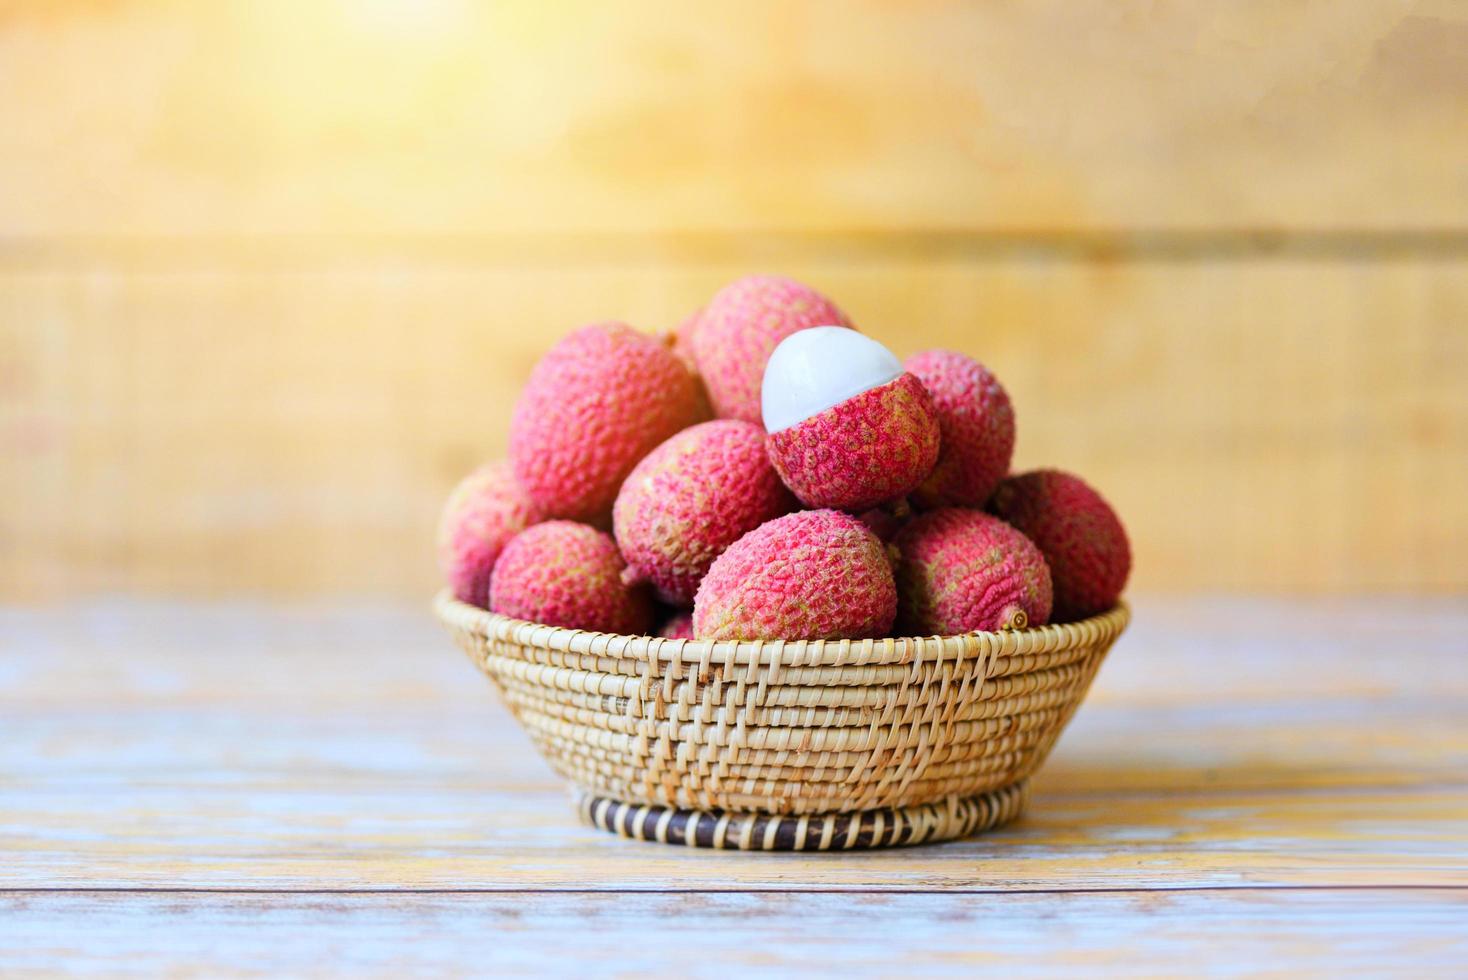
[(945, 820)]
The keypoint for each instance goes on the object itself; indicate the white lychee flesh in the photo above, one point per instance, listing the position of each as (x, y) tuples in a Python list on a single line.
[(819, 368)]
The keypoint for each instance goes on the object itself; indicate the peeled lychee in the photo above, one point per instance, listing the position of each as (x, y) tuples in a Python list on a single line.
[(562, 573), (848, 427), (962, 570), (596, 403), (678, 626), (482, 514), (741, 326), (812, 575), (691, 498), (977, 424), (1079, 534)]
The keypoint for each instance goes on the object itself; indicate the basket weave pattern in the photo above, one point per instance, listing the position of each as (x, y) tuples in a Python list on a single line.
[(788, 728), (954, 816)]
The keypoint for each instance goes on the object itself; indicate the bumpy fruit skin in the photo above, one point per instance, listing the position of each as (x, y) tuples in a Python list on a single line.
[(962, 570), (812, 575), (482, 514), (561, 573), (868, 450), (741, 326), (596, 403), (691, 498), (977, 424), (1079, 534), (886, 521), (679, 626), (682, 339)]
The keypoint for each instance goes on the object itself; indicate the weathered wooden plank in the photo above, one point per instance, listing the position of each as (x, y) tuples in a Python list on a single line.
[(1111, 748), (1237, 933), (514, 838), (170, 118), (1260, 425), (1245, 679), (1228, 742)]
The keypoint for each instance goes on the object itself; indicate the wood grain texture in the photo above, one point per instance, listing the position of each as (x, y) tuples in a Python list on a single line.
[(270, 276), (1146, 933), (1260, 423), (1255, 785), (311, 789), (240, 747), (158, 117)]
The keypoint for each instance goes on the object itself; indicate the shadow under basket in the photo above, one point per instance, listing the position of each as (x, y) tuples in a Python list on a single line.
[(791, 745)]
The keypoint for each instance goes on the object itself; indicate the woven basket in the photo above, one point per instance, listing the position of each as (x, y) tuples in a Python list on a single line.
[(790, 745)]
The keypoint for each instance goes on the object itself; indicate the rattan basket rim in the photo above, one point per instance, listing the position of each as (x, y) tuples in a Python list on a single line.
[(1102, 628)]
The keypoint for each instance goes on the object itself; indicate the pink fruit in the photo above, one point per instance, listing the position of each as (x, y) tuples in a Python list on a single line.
[(886, 521), (848, 427), (1080, 535), (561, 573), (691, 498), (962, 570), (679, 626), (811, 575), (741, 326), (682, 339), (977, 425), (482, 514), (597, 402)]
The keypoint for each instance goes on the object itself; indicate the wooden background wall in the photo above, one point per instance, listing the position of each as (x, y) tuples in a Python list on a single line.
[(272, 272)]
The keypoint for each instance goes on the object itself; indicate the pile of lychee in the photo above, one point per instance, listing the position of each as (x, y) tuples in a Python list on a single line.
[(767, 472)]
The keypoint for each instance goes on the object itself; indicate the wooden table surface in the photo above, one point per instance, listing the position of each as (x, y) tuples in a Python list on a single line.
[(1254, 786)]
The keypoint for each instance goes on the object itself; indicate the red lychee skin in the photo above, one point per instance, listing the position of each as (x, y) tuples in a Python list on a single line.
[(1077, 531), (482, 514), (597, 402), (963, 570), (977, 423), (682, 339), (679, 626), (741, 327), (811, 575), (691, 498), (562, 573), (887, 520), (869, 450)]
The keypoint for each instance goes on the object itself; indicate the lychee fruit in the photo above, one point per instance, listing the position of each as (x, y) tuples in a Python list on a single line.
[(482, 514), (963, 570), (848, 427), (678, 626), (681, 339), (1077, 531), (562, 573), (596, 403), (741, 326), (887, 520), (691, 498), (811, 575), (977, 424)]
